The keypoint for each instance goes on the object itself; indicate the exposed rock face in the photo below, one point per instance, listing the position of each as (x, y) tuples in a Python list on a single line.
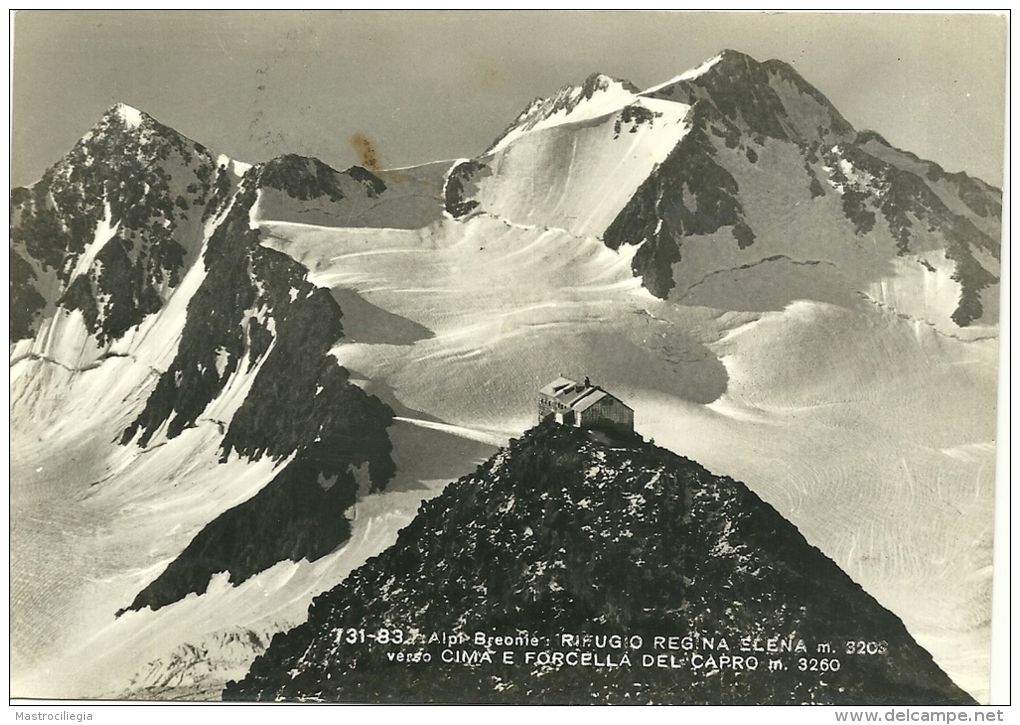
[(299, 515), (307, 191), (659, 216), (256, 314), (256, 317), (111, 229), (564, 103), (561, 534), (765, 99), (458, 187)]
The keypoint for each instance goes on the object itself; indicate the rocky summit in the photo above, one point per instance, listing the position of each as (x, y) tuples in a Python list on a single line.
[(572, 567)]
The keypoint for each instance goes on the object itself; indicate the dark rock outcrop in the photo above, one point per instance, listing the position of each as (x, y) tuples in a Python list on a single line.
[(688, 194), (299, 515), (256, 314), (151, 186)]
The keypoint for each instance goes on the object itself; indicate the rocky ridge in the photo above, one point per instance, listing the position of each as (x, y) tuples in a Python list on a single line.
[(611, 541)]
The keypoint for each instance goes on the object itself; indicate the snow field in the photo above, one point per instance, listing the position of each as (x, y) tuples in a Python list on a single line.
[(873, 433), (605, 159)]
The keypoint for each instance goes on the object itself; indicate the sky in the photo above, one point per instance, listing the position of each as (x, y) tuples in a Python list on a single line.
[(424, 86)]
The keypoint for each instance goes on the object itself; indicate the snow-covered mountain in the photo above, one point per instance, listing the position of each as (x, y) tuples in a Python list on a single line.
[(110, 232), (739, 165), (233, 384), (155, 320)]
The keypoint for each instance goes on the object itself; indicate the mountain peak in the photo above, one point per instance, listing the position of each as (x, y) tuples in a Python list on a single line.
[(727, 59), (727, 63), (599, 94), (129, 115), (731, 56), (124, 116), (734, 64), (139, 127), (601, 82), (128, 200), (767, 98)]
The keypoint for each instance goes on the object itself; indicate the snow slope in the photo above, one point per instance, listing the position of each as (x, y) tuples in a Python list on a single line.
[(94, 521), (598, 96), (572, 161), (873, 433), (87, 537)]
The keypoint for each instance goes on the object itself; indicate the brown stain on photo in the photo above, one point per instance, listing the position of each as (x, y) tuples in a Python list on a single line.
[(368, 157)]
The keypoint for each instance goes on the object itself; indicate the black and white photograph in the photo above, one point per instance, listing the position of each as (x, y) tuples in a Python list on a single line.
[(509, 357)]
